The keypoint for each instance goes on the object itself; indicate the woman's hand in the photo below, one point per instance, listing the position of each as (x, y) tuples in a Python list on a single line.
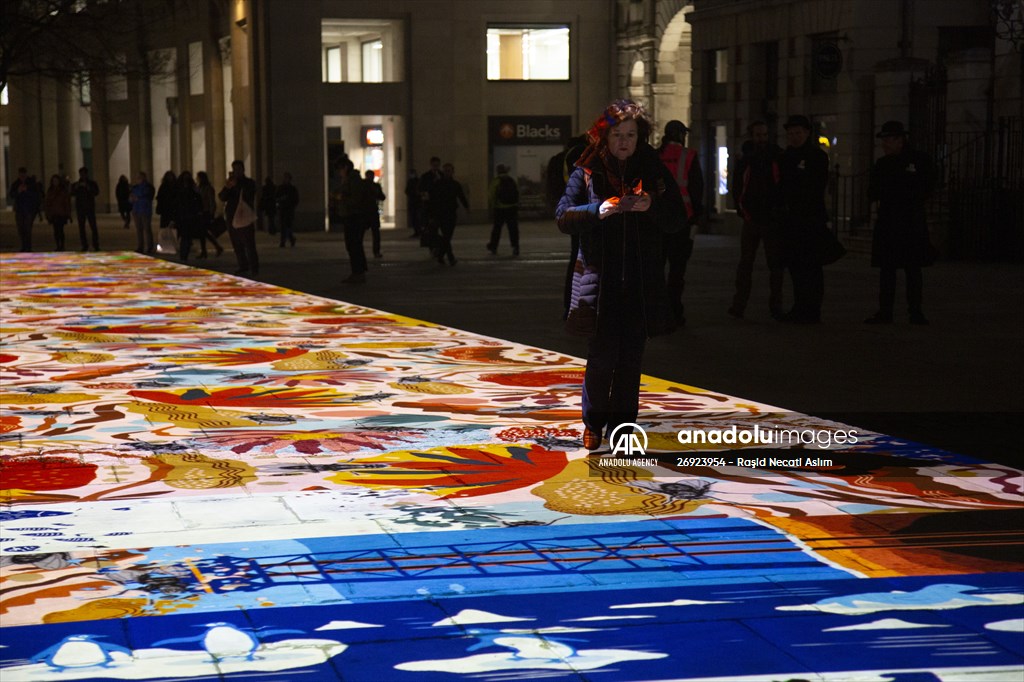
[(630, 202), (609, 207)]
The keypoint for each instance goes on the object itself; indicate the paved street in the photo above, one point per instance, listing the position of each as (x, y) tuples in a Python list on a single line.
[(209, 476), (954, 384)]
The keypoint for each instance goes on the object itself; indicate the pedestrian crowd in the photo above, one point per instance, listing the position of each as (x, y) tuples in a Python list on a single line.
[(632, 212), (186, 207), (779, 194)]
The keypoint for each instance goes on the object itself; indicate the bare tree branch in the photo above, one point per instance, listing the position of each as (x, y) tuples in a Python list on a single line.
[(64, 39)]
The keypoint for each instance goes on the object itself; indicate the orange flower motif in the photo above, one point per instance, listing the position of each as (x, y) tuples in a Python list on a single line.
[(9, 422)]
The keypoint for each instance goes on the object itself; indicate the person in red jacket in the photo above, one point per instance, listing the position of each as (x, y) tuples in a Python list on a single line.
[(684, 166)]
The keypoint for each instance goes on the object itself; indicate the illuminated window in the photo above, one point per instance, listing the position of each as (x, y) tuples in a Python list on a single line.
[(528, 53), (361, 50), (717, 74), (335, 65), (373, 61)]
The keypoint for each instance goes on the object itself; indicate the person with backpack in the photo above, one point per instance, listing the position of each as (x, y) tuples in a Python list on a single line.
[(503, 197)]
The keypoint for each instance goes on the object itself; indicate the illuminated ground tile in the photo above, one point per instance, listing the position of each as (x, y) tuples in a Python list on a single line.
[(202, 475)]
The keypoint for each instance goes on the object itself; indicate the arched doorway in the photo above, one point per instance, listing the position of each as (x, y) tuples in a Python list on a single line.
[(675, 61), (636, 80)]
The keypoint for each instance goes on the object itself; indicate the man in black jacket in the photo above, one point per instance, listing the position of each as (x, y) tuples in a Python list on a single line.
[(445, 196), (901, 182), (804, 171), (85, 192)]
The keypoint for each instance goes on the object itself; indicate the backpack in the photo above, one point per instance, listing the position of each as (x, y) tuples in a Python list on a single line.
[(508, 192)]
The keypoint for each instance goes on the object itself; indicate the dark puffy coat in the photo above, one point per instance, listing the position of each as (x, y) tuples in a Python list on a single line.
[(901, 184), (621, 254)]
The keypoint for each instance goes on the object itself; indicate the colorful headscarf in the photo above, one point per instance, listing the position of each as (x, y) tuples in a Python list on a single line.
[(615, 113)]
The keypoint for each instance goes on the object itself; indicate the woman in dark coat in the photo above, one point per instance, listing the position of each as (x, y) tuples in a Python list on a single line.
[(188, 211), (620, 201), (124, 206), (901, 182), (166, 199)]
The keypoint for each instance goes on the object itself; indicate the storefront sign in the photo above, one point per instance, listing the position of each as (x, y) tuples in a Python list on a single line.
[(529, 130)]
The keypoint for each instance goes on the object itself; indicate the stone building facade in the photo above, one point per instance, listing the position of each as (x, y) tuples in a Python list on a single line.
[(290, 86), (943, 67)]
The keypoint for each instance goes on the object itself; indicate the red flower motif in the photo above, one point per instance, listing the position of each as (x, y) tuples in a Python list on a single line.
[(544, 377), (44, 473), (245, 396)]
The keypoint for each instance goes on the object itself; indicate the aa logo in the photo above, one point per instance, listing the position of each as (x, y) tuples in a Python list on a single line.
[(628, 439)]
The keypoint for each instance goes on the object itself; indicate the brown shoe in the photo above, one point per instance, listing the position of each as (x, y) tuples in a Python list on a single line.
[(591, 439)]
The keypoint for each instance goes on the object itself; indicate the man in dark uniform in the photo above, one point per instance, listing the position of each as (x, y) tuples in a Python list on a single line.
[(804, 171), (429, 230), (754, 184), (901, 182), (85, 192)]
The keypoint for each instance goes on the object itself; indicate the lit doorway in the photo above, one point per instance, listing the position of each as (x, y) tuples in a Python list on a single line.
[(720, 168), (372, 143)]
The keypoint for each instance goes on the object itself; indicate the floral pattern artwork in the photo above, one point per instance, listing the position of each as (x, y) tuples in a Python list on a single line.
[(225, 476)]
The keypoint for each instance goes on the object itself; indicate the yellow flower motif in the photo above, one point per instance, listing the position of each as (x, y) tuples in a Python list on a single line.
[(586, 488), (191, 416), (195, 471), (82, 337), (431, 387), (197, 313), (38, 398), (82, 358), (323, 359), (99, 609)]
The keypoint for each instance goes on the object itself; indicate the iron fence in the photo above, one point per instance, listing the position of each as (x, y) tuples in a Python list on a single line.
[(977, 209)]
